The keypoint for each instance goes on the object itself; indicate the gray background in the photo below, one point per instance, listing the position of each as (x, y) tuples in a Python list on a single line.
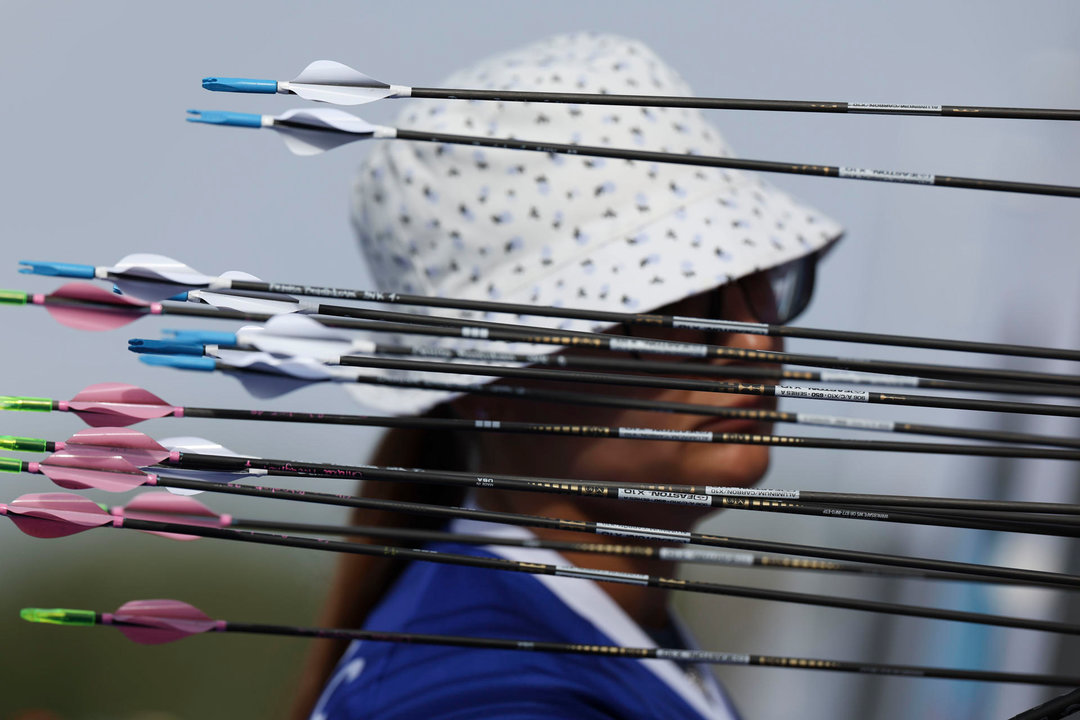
[(99, 163)]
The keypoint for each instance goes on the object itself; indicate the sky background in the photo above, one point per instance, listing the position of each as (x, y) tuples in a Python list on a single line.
[(99, 163)]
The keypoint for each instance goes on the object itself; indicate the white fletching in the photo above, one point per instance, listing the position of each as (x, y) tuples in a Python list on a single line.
[(275, 376), (269, 303), (144, 275), (201, 446), (297, 335), (312, 136), (331, 82)]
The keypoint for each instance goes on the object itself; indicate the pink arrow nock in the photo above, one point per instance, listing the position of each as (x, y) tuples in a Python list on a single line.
[(153, 622), (137, 448), (108, 312), (77, 469), (166, 507), (53, 515), (118, 405)]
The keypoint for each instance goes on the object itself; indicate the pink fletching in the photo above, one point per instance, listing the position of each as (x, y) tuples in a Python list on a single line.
[(167, 507), (153, 622), (52, 515), (77, 469), (138, 448), (109, 312), (118, 404)]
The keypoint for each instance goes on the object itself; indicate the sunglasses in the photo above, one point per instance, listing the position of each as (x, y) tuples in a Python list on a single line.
[(775, 296)]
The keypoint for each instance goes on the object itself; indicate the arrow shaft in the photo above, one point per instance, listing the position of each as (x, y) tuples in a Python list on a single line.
[(753, 501), (623, 652), (738, 388), (970, 570), (769, 166), (598, 575), (420, 324), (713, 103), (656, 321), (566, 429)]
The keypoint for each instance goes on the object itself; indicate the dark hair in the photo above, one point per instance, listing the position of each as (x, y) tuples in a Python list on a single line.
[(361, 581)]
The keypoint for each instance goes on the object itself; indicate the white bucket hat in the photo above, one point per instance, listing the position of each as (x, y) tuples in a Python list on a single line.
[(545, 229)]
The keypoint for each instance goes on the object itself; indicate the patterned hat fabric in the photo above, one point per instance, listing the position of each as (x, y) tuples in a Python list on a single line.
[(562, 230)]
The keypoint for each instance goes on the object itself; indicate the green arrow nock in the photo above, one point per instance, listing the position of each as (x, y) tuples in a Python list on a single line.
[(13, 297), (29, 404), (58, 616), (23, 444)]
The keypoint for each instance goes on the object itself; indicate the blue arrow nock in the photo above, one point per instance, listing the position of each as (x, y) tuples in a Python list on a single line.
[(164, 347), (221, 117), (241, 85), (202, 337), (57, 269), (182, 362)]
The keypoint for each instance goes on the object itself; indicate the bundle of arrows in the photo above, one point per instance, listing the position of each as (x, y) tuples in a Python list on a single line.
[(279, 337)]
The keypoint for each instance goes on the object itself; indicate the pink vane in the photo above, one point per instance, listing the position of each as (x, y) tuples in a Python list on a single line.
[(104, 310), (53, 515), (77, 469), (118, 405), (165, 506), (153, 622), (136, 447)]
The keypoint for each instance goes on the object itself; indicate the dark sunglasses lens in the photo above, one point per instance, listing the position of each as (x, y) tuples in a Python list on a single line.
[(779, 295)]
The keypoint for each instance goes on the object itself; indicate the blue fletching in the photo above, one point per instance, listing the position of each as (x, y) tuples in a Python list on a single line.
[(57, 269), (164, 347), (183, 362), (202, 337), (243, 85), (221, 117)]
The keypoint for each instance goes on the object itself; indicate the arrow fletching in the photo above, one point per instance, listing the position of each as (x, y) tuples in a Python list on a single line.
[(169, 507), (201, 446), (155, 277), (89, 469), (248, 302), (298, 335), (53, 515), (332, 82), (118, 405), (310, 132), (154, 622), (107, 311), (137, 448)]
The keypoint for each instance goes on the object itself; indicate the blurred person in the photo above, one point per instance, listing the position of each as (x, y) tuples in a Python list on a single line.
[(542, 229)]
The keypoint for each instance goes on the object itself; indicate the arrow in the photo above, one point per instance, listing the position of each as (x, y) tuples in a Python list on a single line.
[(152, 622), (266, 375), (332, 82), (122, 405), (168, 507), (1063, 706), (310, 132), (304, 335), (74, 517), (157, 277), (116, 458), (81, 306), (99, 466), (84, 306)]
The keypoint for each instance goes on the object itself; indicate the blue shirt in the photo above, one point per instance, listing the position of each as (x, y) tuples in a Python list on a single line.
[(392, 681)]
